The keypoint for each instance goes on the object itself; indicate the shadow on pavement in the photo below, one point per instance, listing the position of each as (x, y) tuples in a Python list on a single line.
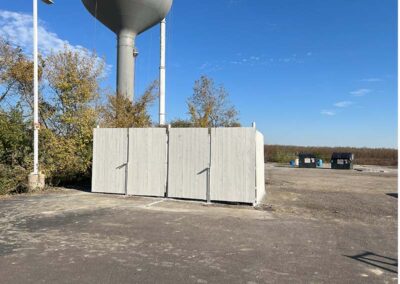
[(392, 194), (79, 187), (383, 262)]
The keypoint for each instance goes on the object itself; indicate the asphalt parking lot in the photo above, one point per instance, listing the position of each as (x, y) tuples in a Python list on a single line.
[(316, 226)]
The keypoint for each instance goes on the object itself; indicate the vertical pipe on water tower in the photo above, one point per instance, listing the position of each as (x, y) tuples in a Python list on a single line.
[(162, 72), (126, 64)]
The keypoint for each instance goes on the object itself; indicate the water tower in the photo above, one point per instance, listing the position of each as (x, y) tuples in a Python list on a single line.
[(127, 19)]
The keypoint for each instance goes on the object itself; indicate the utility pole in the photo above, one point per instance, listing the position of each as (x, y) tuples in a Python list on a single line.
[(36, 179), (35, 91)]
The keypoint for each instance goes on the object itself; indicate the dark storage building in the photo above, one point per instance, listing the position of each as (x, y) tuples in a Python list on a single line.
[(307, 160), (342, 161)]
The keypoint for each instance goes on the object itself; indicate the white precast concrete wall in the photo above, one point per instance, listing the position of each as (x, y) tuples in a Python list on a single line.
[(147, 163), (220, 164), (233, 164), (260, 168), (109, 160), (189, 159)]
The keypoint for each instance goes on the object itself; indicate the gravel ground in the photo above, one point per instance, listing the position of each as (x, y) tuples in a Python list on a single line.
[(318, 226)]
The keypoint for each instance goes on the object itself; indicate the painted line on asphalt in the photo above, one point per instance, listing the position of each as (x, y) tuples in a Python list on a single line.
[(154, 203)]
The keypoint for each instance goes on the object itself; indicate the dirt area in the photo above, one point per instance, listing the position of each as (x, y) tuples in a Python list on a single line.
[(317, 226), (366, 194)]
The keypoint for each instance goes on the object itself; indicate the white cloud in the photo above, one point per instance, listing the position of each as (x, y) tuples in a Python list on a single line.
[(17, 28), (234, 2), (242, 60), (343, 104), (360, 92), (204, 66), (328, 112), (209, 67), (262, 60), (372, 80)]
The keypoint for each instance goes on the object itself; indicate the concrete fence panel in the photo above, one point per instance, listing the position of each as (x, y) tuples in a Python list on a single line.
[(233, 165), (189, 158), (109, 160), (147, 163), (220, 164)]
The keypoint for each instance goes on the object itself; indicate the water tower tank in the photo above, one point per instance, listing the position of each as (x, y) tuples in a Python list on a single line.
[(127, 19)]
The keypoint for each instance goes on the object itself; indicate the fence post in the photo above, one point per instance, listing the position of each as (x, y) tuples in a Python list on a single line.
[(127, 162), (167, 161), (255, 165), (208, 194)]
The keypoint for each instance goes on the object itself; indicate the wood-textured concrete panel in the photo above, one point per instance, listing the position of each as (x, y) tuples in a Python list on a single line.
[(109, 160), (147, 165), (233, 164), (189, 158), (260, 167)]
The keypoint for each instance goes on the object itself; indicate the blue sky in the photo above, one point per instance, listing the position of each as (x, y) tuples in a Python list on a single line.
[(307, 72)]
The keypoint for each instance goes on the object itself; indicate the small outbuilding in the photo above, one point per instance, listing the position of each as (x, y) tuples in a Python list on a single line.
[(307, 160), (342, 161)]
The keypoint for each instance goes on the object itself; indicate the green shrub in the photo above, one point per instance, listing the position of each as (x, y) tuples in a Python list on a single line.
[(13, 180)]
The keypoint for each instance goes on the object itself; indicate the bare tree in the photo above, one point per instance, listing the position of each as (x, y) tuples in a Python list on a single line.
[(209, 105), (120, 112)]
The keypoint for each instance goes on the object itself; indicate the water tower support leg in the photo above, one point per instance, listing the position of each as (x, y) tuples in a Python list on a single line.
[(126, 64)]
